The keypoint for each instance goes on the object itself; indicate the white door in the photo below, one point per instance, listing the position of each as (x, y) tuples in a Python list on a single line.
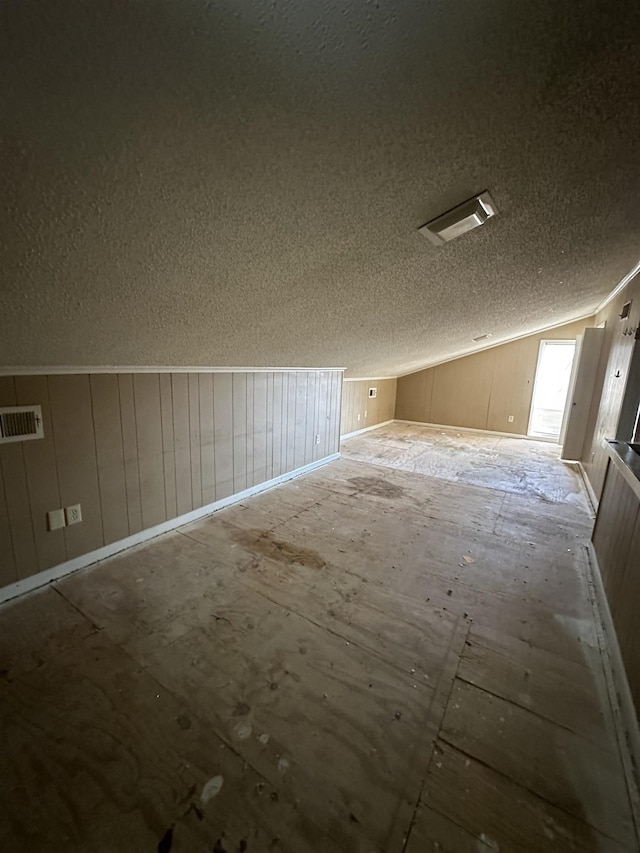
[(550, 388)]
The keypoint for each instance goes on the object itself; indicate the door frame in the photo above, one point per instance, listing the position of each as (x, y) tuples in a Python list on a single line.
[(560, 341)]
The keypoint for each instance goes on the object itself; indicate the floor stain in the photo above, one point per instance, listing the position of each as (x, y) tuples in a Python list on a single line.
[(275, 549), (184, 722), (376, 486)]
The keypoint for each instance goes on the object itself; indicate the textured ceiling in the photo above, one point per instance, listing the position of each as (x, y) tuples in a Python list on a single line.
[(240, 183)]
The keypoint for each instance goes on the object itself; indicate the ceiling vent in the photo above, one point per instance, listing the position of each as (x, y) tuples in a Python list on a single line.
[(465, 217), (20, 423)]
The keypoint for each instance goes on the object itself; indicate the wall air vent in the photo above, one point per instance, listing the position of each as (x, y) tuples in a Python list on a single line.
[(20, 423), (465, 217)]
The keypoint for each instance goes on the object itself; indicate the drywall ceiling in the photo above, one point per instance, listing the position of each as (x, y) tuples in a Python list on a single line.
[(241, 183)]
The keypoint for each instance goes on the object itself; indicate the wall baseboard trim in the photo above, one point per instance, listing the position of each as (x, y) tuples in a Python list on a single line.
[(449, 428), (589, 488), (366, 429), (55, 573), (624, 712)]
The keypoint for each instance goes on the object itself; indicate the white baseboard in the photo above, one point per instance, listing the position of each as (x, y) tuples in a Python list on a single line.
[(624, 711), (587, 484), (366, 429), (449, 428), (56, 572)]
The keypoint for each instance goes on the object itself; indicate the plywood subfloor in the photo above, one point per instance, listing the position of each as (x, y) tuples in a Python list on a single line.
[(374, 657)]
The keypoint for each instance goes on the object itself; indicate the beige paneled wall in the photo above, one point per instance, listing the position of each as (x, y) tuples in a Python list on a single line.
[(615, 358), (139, 449), (480, 391), (359, 410)]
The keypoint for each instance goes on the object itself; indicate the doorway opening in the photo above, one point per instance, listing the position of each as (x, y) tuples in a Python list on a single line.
[(550, 388)]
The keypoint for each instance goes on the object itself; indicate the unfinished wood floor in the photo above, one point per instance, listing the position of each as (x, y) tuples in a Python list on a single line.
[(375, 657)]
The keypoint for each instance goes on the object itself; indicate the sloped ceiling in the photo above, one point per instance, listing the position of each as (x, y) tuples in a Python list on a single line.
[(240, 182)]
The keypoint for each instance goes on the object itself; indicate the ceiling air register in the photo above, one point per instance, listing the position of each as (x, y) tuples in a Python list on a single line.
[(465, 217)]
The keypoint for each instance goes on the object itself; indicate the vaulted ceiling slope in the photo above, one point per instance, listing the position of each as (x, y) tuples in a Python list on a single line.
[(240, 183)]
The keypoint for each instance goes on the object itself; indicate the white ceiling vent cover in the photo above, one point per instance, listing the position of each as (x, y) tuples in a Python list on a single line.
[(20, 423), (465, 217)]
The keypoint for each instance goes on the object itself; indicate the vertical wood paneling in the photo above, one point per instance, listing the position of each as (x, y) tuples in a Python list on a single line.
[(359, 410), (481, 390), (461, 393), (612, 535), (627, 623), (75, 448), (335, 406), (146, 389), (8, 572), (249, 428), (105, 400), (194, 438), (269, 430), (168, 446), (207, 454), (309, 419), (16, 538), (223, 424), (299, 419), (606, 402), (290, 423), (239, 432), (134, 450), (182, 441), (259, 431), (130, 449), (278, 422), (42, 474)]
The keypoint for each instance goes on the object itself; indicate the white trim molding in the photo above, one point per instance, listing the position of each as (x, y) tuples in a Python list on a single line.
[(589, 488), (366, 429), (368, 378), (55, 573), (55, 370), (619, 287)]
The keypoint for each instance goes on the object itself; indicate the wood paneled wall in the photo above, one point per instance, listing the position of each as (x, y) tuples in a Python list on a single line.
[(139, 449), (616, 539), (480, 391), (359, 410), (615, 358)]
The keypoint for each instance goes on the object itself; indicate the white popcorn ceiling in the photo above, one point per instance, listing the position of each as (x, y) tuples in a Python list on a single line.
[(241, 183)]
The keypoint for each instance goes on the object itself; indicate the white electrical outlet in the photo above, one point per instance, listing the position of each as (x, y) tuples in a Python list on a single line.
[(365, 413), (358, 415), (73, 514), (55, 519), (510, 419), (317, 438)]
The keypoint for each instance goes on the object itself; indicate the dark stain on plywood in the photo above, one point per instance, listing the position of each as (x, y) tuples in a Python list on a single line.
[(377, 486), (279, 550)]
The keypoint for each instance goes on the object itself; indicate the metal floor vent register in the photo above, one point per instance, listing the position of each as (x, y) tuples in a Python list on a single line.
[(20, 423)]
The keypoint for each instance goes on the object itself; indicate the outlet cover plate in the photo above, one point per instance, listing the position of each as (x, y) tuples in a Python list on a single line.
[(73, 514), (55, 519)]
